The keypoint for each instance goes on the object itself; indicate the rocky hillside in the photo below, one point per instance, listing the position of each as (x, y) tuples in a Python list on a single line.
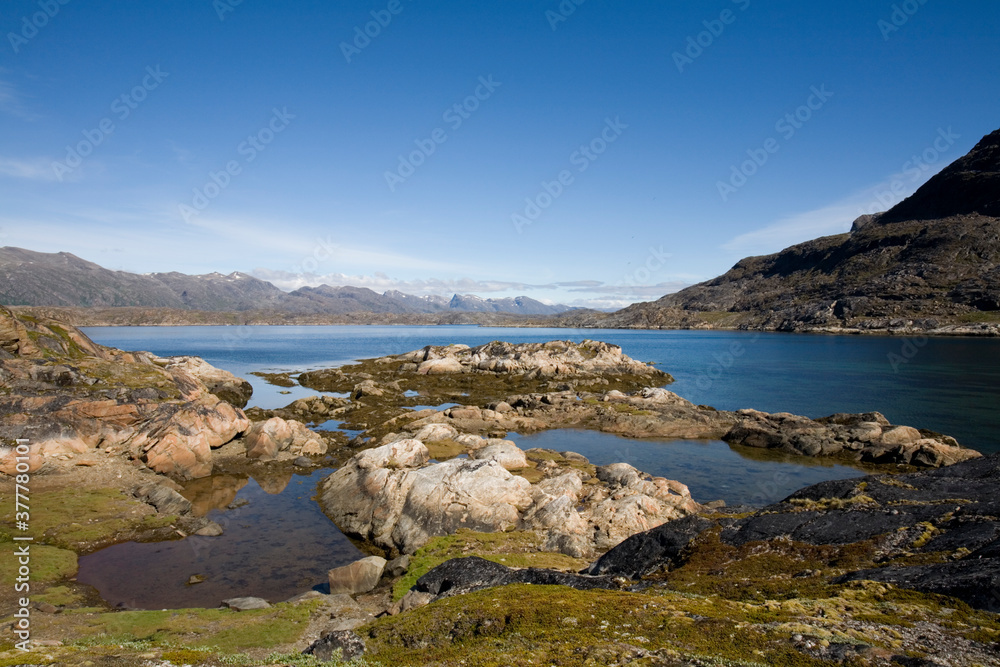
[(930, 263), (29, 278)]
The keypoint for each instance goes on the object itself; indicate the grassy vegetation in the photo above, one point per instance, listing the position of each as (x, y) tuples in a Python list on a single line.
[(183, 636), (551, 625), (48, 563), (98, 515), (725, 606), (980, 317)]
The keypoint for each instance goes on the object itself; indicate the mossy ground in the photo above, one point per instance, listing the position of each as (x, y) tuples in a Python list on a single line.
[(725, 606), (82, 519), (182, 636), (113, 374)]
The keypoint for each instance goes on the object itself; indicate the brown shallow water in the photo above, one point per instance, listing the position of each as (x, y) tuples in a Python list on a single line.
[(277, 544)]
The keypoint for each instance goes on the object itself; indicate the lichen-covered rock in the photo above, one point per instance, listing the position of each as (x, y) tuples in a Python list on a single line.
[(392, 496), (385, 496), (264, 440), (67, 395), (505, 452), (222, 383)]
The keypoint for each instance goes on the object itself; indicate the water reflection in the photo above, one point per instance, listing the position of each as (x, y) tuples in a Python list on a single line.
[(277, 543), (212, 493)]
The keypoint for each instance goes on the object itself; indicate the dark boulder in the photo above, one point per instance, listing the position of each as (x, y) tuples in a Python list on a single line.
[(349, 644), (645, 553), (465, 575)]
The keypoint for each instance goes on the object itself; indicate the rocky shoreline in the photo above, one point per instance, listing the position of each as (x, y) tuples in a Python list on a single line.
[(665, 319), (112, 433)]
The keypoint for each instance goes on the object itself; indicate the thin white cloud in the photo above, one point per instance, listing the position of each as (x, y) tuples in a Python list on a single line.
[(794, 229), (37, 169), (12, 102), (838, 216), (380, 282), (635, 292)]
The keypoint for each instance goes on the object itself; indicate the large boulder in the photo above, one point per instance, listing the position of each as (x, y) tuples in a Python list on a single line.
[(385, 496), (505, 452), (222, 383), (264, 440), (360, 576), (178, 440)]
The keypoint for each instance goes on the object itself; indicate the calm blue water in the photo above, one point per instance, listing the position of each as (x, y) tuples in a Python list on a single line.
[(950, 385)]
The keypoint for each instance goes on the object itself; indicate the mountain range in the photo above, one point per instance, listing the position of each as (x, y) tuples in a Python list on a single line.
[(931, 261), (29, 278)]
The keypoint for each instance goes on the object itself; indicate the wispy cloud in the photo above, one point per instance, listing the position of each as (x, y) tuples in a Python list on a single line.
[(635, 292), (12, 101), (578, 293), (835, 219), (380, 282), (36, 169)]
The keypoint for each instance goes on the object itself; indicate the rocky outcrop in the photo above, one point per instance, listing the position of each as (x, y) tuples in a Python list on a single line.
[(658, 413), (395, 497), (67, 395), (389, 496), (535, 360), (935, 531), (869, 436), (264, 440), (496, 367), (225, 385)]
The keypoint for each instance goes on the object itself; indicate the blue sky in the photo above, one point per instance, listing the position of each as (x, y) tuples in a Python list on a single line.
[(600, 153)]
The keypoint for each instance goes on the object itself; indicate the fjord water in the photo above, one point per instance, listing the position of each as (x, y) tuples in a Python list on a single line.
[(280, 544)]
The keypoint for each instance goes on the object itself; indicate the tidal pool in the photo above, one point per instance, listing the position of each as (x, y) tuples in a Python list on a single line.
[(276, 544)]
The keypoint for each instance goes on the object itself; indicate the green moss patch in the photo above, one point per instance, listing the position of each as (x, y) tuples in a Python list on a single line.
[(80, 519)]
